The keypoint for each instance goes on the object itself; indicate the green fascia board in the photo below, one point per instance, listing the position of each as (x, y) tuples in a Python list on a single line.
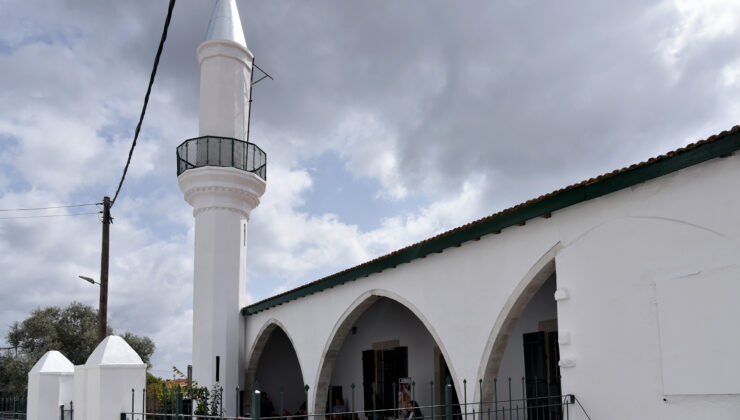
[(579, 193)]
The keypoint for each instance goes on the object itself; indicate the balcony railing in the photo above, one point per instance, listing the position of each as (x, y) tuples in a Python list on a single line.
[(221, 151)]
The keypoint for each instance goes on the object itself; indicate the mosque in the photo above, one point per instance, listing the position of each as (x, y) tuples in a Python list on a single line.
[(620, 290), (613, 298)]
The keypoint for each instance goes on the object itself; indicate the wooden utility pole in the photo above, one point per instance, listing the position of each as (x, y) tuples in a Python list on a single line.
[(103, 306)]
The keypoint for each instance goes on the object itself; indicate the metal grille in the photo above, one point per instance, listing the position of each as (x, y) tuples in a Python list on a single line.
[(12, 408), (221, 151)]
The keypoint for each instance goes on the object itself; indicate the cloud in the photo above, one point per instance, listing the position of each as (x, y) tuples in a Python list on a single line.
[(287, 244), (447, 113)]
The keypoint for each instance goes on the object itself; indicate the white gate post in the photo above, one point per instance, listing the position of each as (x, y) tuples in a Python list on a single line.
[(49, 386)]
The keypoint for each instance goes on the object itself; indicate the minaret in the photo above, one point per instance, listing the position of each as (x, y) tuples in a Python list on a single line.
[(222, 177)]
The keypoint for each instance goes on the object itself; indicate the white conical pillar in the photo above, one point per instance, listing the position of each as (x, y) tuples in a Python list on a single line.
[(111, 372), (222, 198), (50, 384)]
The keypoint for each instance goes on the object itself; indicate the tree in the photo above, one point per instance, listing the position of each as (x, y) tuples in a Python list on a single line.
[(144, 346), (71, 330), (14, 374)]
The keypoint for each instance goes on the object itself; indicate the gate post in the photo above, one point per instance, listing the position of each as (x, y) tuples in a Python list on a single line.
[(256, 405)]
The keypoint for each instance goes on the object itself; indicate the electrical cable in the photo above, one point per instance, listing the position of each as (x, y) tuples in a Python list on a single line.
[(48, 215), (52, 207), (146, 98)]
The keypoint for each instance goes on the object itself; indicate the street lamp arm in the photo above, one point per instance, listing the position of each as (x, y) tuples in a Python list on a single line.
[(89, 280)]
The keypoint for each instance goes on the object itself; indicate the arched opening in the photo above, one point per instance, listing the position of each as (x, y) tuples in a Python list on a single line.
[(275, 368), (521, 372), (382, 356)]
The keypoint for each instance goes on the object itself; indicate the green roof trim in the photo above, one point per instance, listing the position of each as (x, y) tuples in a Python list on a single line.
[(716, 146)]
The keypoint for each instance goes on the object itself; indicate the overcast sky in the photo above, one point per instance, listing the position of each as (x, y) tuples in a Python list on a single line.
[(387, 122)]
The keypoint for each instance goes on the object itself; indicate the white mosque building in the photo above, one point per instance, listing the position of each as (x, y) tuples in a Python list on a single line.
[(616, 297), (620, 290)]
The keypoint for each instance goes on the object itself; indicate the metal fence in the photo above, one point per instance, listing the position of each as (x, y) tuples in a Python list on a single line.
[(67, 412), (13, 408), (221, 151), (503, 406)]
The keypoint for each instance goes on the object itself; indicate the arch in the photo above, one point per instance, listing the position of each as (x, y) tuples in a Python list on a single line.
[(256, 354), (510, 313), (343, 327)]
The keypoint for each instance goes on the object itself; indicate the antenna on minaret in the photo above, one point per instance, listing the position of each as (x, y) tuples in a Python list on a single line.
[(253, 82), (264, 75)]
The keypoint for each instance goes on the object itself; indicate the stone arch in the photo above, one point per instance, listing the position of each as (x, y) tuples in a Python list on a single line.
[(255, 355), (510, 313), (343, 327)]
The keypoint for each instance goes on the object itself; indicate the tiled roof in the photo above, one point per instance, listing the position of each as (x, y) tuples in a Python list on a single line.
[(718, 145)]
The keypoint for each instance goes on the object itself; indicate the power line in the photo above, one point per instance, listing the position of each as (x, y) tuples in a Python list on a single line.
[(146, 98), (48, 215), (52, 207)]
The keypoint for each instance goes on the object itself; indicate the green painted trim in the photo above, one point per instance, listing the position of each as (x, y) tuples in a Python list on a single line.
[(722, 146)]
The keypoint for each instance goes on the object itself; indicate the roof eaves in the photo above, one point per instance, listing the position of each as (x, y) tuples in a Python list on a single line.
[(718, 145)]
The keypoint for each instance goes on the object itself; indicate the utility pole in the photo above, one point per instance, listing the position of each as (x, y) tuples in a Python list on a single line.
[(103, 306)]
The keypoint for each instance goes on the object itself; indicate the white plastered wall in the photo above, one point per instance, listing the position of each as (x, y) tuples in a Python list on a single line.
[(80, 392), (609, 254)]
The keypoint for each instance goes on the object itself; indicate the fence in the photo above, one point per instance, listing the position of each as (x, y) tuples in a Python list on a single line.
[(174, 405), (68, 412), (13, 408)]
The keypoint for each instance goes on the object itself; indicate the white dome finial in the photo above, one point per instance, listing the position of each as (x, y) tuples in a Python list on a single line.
[(225, 23)]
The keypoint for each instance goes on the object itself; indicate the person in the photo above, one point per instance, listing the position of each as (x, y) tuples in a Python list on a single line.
[(301, 414), (415, 412), (267, 409), (338, 409)]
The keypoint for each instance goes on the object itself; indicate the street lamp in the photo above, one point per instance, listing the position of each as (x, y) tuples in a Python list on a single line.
[(89, 280), (102, 308)]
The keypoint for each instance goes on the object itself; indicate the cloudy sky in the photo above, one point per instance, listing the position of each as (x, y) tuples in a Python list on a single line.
[(387, 122)]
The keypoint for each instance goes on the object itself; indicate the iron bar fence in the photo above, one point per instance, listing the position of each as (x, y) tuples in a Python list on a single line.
[(13, 408), (503, 406), (67, 412), (221, 151)]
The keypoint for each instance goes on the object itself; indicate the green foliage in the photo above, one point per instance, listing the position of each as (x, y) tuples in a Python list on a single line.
[(144, 346), (154, 381), (73, 331), (14, 374), (162, 394), (217, 408)]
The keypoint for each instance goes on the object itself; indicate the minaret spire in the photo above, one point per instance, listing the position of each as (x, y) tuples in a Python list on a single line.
[(225, 23), (225, 75)]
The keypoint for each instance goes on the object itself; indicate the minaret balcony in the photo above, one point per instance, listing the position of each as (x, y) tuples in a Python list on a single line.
[(221, 151)]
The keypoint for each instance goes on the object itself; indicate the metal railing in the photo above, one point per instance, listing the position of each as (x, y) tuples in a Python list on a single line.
[(68, 412), (221, 151), (503, 406), (13, 408)]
